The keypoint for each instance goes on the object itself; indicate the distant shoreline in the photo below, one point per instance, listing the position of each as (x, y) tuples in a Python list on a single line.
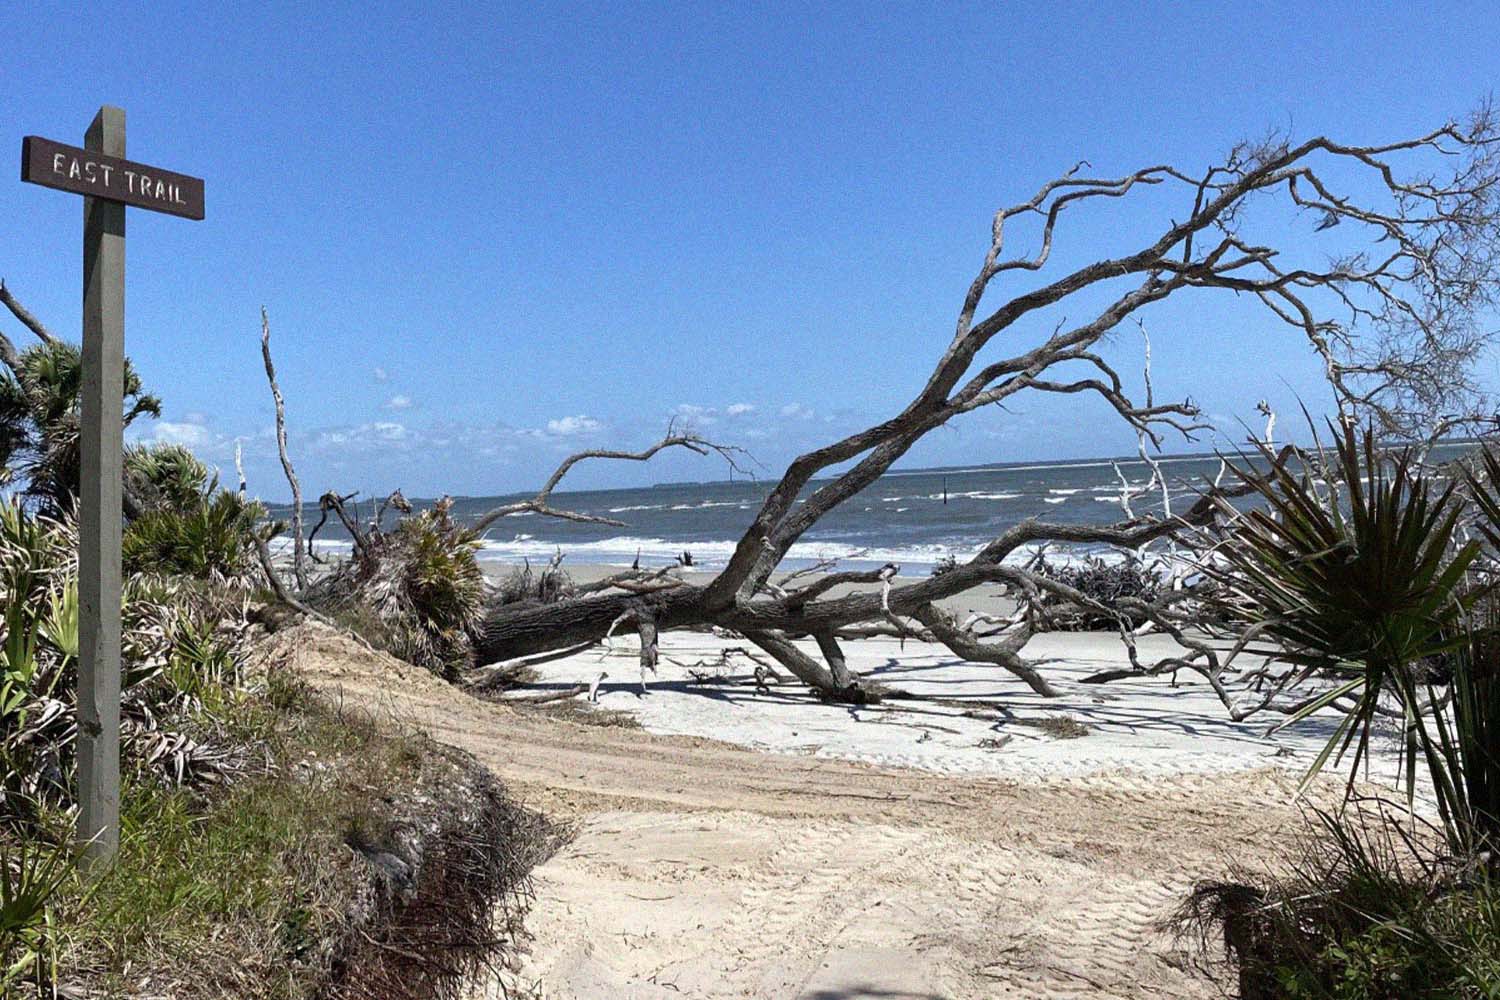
[(1029, 465)]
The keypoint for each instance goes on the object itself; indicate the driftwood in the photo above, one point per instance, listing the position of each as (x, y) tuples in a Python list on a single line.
[(551, 696), (1390, 315), (1390, 319)]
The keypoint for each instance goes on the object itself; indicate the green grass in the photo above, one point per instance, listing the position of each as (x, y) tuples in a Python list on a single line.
[(245, 893)]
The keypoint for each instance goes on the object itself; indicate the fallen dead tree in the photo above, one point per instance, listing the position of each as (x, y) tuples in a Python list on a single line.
[(1390, 318), (1408, 253)]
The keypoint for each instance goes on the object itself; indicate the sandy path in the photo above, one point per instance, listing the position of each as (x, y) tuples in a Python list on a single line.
[(704, 870)]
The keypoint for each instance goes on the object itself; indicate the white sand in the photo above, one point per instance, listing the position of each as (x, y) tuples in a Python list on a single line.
[(1038, 871), (1148, 725)]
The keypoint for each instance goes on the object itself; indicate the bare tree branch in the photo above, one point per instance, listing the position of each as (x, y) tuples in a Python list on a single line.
[(1392, 315), (299, 551), (24, 315), (541, 503)]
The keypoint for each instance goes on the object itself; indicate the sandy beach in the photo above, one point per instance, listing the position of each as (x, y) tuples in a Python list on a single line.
[(989, 724), (763, 844)]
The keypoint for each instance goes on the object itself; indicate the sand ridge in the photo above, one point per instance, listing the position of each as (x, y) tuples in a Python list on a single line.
[(703, 869)]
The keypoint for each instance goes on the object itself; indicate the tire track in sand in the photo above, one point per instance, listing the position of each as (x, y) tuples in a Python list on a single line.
[(706, 870)]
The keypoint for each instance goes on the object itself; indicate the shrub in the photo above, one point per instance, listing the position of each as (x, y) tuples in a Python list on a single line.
[(418, 590), (524, 585), (1362, 575), (1360, 910), (174, 636), (212, 538), (187, 525), (167, 476)]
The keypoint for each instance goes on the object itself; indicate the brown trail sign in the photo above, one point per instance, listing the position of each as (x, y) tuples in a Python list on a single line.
[(83, 171), (109, 182)]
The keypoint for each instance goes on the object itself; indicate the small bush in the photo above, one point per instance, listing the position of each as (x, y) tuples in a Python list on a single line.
[(416, 590), (524, 585), (214, 538), (1360, 910), (187, 525), (179, 644)]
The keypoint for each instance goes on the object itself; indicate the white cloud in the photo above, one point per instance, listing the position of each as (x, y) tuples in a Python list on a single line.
[(388, 431), (698, 416), (797, 410), (737, 409), (193, 435), (377, 434), (381, 375), (398, 402), (569, 426)]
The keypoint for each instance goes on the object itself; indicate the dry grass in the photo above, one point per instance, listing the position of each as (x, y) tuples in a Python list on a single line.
[(283, 886), (1061, 727), (583, 713)]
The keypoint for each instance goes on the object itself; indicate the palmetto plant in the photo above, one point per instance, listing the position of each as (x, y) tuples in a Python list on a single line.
[(176, 662), (420, 584), (1476, 680), (31, 873), (1359, 570), (167, 475), (210, 537), (39, 421)]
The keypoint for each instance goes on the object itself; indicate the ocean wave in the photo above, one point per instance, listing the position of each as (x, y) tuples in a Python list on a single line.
[(703, 505), (969, 495), (622, 550), (978, 495), (1047, 467)]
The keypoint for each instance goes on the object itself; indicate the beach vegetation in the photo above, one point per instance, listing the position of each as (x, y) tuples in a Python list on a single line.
[(254, 818), (525, 585), (1378, 580), (39, 413), (276, 885), (416, 589), (1362, 573), (1363, 906), (186, 525)]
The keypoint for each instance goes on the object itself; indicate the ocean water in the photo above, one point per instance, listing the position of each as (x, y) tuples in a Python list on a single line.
[(911, 518)]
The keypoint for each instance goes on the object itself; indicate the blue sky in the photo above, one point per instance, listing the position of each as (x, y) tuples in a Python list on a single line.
[(489, 234)]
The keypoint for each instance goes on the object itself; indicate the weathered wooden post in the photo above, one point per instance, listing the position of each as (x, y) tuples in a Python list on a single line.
[(109, 182), (100, 450)]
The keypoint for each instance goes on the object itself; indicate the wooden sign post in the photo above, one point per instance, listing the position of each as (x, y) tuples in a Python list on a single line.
[(109, 182)]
